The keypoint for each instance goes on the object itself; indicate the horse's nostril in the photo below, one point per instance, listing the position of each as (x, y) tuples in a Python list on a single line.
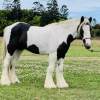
[(88, 47)]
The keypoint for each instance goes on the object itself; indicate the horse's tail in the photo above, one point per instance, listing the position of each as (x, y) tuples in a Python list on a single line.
[(4, 48)]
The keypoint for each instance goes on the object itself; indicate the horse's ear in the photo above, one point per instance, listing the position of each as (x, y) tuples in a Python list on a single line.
[(90, 19), (82, 19)]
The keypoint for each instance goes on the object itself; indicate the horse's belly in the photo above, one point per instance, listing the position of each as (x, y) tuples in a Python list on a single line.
[(38, 48), (43, 51)]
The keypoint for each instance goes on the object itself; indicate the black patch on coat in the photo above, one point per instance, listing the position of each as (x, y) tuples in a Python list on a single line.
[(33, 49), (84, 41), (81, 32), (10, 67), (58, 64), (63, 48), (61, 51), (70, 39), (90, 29), (18, 37)]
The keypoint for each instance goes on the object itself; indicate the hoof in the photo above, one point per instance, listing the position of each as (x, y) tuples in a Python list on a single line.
[(18, 82), (49, 85), (63, 85), (15, 82), (5, 81)]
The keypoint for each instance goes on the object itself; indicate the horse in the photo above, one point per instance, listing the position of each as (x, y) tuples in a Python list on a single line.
[(53, 40)]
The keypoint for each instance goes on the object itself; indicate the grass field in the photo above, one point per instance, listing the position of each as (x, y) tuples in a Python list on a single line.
[(81, 72)]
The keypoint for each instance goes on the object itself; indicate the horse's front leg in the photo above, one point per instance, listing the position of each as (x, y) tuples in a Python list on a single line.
[(49, 80), (61, 83)]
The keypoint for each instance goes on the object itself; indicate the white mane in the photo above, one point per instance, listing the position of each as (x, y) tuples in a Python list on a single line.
[(68, 21)]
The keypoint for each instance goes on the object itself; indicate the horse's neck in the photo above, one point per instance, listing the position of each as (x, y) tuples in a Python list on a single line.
[(70, 28)]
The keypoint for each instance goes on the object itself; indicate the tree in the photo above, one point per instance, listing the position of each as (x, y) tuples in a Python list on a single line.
[(94, 21), (52, 8), (3, 20), (38, 8), (64, 12), (7, 4), (30, 15), (16, 10), (36, 20), (96, 30), (97, 26), (45, 19)]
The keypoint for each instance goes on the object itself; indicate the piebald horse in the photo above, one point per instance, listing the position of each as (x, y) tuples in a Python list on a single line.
[(53, 40)]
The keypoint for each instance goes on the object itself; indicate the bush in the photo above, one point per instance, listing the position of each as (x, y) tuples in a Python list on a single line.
[(95, 32), (97, 26)]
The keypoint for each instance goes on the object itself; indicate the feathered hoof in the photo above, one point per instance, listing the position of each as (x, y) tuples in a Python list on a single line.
[(49, 85), (5, 81)]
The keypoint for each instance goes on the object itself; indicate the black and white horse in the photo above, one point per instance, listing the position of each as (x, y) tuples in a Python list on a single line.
[(53, 40)]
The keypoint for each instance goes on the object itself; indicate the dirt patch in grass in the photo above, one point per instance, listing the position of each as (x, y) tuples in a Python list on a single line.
[(45, 58), (80, 42)]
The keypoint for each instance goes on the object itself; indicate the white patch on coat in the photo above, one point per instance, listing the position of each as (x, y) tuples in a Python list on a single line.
[(87, 35)]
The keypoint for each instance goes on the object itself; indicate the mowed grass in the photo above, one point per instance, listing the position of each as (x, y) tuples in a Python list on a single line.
[(83, 77)]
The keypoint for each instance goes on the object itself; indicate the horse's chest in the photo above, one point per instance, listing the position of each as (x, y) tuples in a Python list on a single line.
[(62, 50)]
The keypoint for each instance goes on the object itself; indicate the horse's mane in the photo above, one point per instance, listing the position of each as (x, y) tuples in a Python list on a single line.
[(67, 21), (62, 22)]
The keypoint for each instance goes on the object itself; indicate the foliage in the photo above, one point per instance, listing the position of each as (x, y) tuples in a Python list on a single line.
[(94, 22), (45, 18), (38, 8), (96, 31), (61, 20), (7, 4), (64, 12), (36, 20), (97, 26), (53, 10), (15, 10)]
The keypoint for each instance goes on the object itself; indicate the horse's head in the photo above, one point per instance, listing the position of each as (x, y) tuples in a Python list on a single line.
[(84, 30)]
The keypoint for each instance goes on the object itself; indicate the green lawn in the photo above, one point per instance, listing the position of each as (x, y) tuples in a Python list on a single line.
[(80, 51), (83, 77)]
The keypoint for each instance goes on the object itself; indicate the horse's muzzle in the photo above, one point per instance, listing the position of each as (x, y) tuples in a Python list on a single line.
[(87, 46)]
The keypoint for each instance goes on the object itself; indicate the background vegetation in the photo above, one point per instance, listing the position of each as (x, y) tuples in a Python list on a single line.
[(38, 15), (96, 31)]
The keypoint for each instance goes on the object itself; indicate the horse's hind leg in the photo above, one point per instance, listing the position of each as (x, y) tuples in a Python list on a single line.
[(4, 77), (49, 80), (12, 76), (61, 83)]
